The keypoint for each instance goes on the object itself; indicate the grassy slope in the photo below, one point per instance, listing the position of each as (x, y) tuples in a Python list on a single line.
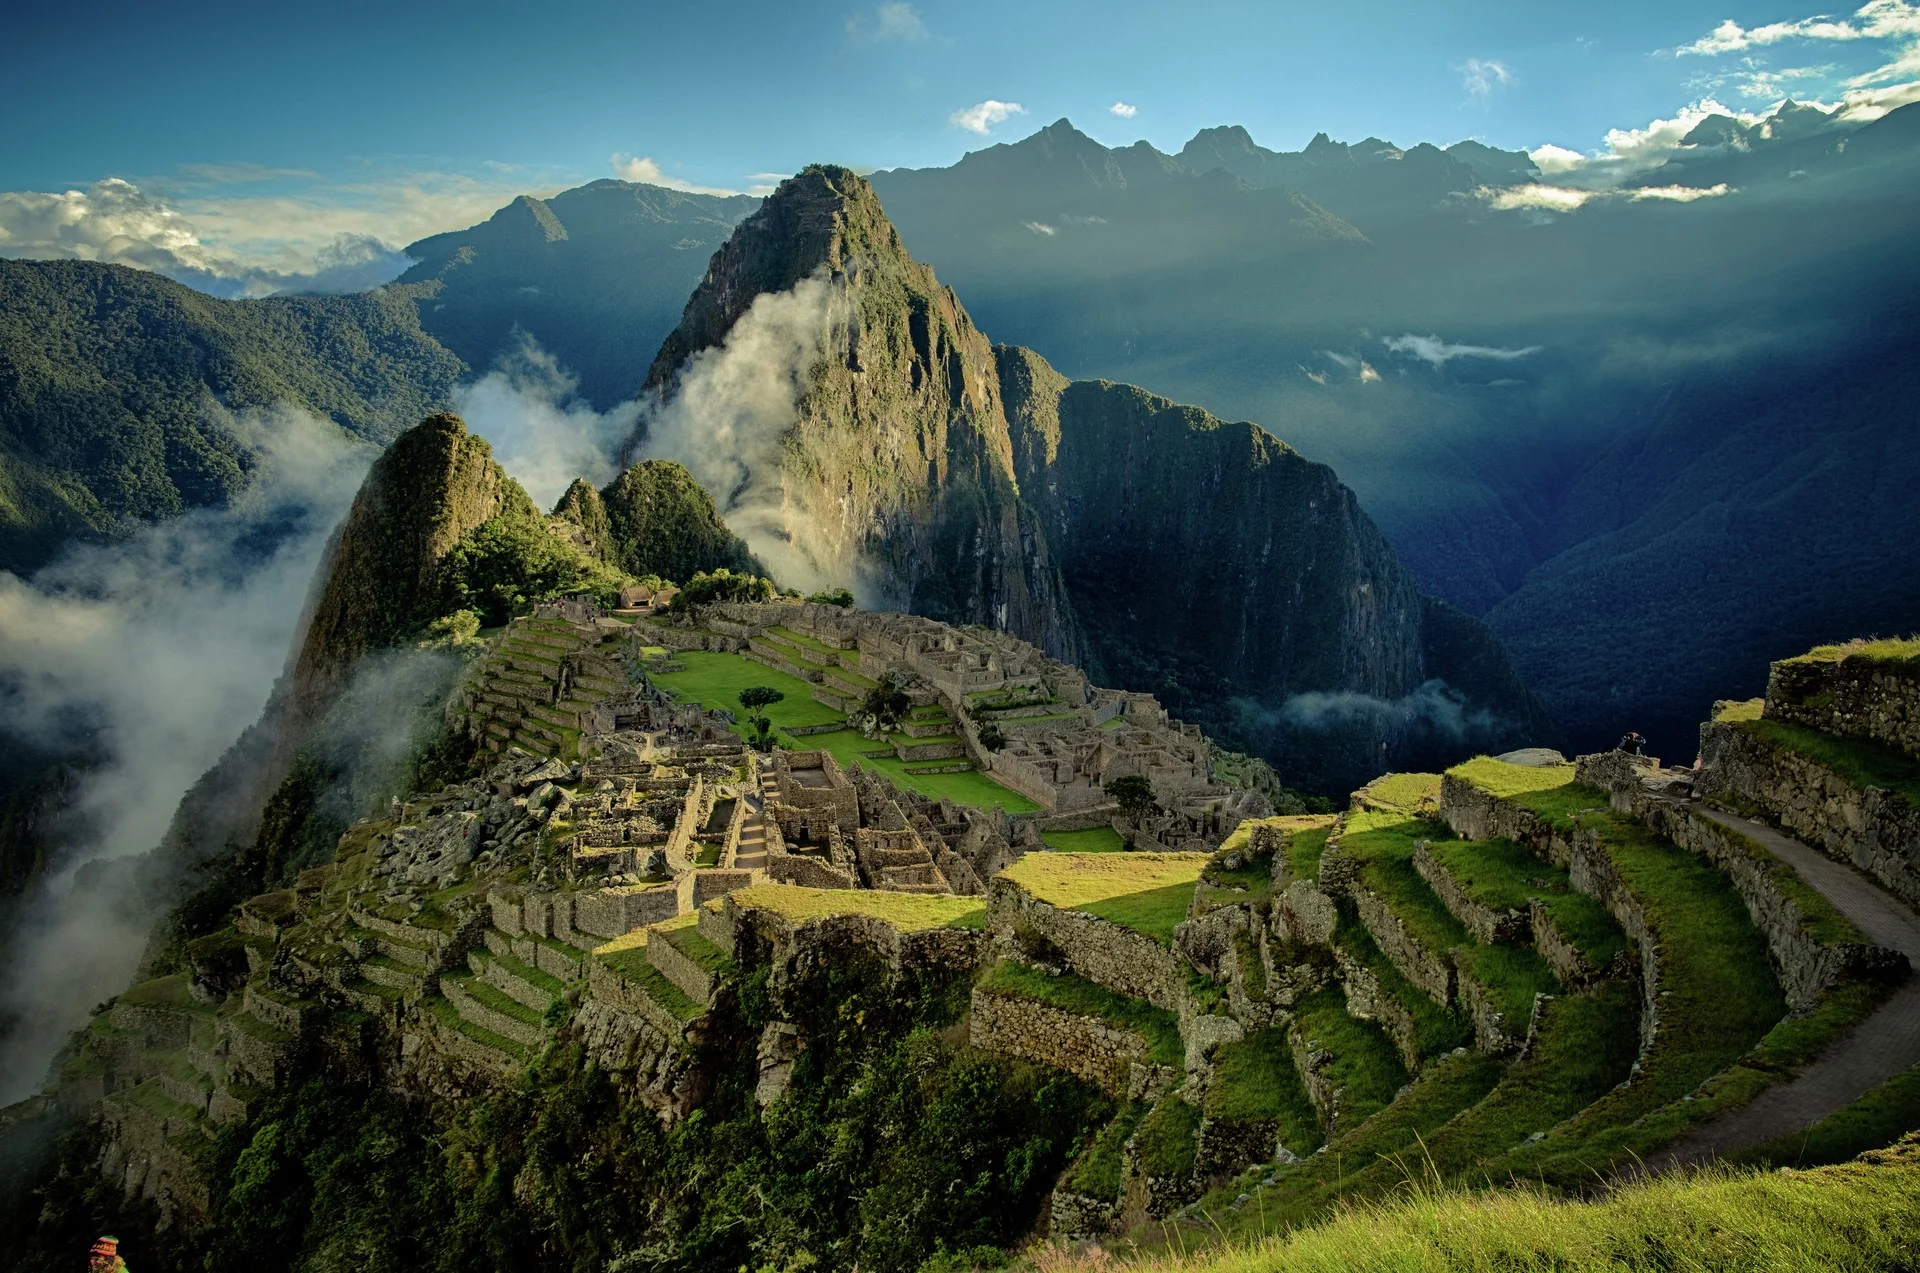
[(1149, 892)]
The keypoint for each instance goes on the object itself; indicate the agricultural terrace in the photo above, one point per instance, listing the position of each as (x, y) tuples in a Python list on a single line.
[(908, 912), (1148, 892), (714, 680)]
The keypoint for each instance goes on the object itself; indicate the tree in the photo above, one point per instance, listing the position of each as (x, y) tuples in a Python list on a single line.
[(719, 586), (883, 708), (991, 737), (753, 699), (1134, 794), (833, 597)]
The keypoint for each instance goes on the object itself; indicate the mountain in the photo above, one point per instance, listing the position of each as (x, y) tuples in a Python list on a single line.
[(1494, 379), (654, 519), (117, 387), (1164, 548), (594, 272)]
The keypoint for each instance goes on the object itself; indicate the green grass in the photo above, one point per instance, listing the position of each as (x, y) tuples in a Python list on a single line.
[(493, 997), (1852, 1218), (1409, 793), (1091, 840), (1879, 1118), (714, 680), (909, 912), (1587, 927), (709, 855), (1497, 874), (686, 939), (1747, 709), (1147, 892), (1097, 1172), (1895, 652), (1166, 1141), (632, 964), (800, 638), (1077, 995), (968, 787), (1511, 976), (1254, 1081), (1303, 852), (1365, 1065), (1862, 764), (1383, 843), (1436, 1030), (449, 1016)]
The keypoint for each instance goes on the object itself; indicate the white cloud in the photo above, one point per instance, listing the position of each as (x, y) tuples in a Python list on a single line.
[(1041, 228), (1630, 151), (116, 223), (540, 433), (894, 21), (982, 116), (1125, 110), (1766, 84), (642, 168), (1865, 105), (1540, 197), (1876, 20), (1438, 352), (1552, 159), (1360, 367), (1480, 76)]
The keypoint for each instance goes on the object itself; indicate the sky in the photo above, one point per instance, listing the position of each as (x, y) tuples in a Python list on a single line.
[(247, 148)]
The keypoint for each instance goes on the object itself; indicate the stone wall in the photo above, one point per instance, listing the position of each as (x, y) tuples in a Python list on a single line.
[(1487, 925), (1873, 829), (1429, 970), (614, 912), (610, 988), (1124, 961), (1092, 1049), (1854, 698), (1304, 913), (1805, 965), (1493, 1034), (807, 872), (1076, 1217), (1369, 1001)]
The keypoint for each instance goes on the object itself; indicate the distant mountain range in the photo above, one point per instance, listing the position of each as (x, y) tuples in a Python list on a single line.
[(1653, 433)]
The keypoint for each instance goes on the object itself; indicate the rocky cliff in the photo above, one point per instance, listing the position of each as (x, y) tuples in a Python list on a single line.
[(1171, 551), (654, 519)]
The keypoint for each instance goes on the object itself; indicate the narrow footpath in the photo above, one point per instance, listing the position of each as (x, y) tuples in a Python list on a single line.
[(1880, 1047), (751, 854)]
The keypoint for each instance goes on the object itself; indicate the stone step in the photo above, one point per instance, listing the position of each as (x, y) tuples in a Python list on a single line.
[(688, 959), (384, 970), (486, 1007), (518, 981)]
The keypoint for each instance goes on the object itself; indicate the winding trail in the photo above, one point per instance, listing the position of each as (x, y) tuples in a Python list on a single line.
[(1875, 1050)]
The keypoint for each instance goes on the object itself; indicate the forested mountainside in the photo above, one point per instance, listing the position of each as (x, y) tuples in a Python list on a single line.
[(116, 389), (1203, 561), (596, 275), (1519, 391)]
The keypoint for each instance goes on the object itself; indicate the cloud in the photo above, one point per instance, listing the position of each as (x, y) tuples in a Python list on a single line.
[(1431, 349), (726, 419), (641, 168), (1631, 151), (115, 223), (1040, 228), (540, 433), (982, 116), (1876, 20), (1539, 197), (1770, 85), (1480, 77), (894, 21), (160, 650), (1434, 707), (1863, 106), (1125, 110)]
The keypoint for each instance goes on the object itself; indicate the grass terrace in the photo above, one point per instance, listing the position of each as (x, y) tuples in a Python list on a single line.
[(1254, 1081), (1436, 1030), (1366, 1066), (1548, 790), (1898, 652), (1097, 1172), (908, 912), (805, 642), (1383, 843), (1861, 763), (1075, 994), (1501, 874), (1166, 1141), (1092, 840), (1147, 892), (627, 956), (1409, 793)]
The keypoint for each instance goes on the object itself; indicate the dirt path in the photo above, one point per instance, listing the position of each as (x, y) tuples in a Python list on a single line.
[(1880, 1047)]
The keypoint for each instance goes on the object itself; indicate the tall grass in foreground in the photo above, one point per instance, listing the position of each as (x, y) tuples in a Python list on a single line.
[(1852, 1218)]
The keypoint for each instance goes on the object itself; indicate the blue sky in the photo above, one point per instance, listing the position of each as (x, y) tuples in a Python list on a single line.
[(263, 131)]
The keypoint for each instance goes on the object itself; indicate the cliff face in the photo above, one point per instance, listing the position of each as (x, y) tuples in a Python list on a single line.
[(897, 470), (1163, 548), (380, 578)]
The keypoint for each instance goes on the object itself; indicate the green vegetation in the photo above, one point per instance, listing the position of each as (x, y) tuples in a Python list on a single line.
[(1436, 1030), (1407, 793), (1091, 840), (1148, 892), (1303, 852), (1254, 1081), (909, 912), (1165, 1143), (1072, 993), (1511, 976), (656, 520), (1383, 844), (1097, 1172), (1899, 653), (1877, 1119), (513, 560), (1134, 794), (1365, 1066), (1861, 763), (631, 962)]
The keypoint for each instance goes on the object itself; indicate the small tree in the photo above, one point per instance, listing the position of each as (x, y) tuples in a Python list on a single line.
[(1134, 794), (833, 597), (991, 737), (881, 711), (755, 698)]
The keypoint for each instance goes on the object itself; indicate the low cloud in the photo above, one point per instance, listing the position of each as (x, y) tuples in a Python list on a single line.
[(1362, 369), (1630, 152), (1438, 352), (896, 21), (1125, 110), (1539, 198), (726, 419), (981, 117), (115, 223), (1434, 708), (540, 432), (1040, 228), (642, 168), (1876, 20), (158, 651), (1480, 76)]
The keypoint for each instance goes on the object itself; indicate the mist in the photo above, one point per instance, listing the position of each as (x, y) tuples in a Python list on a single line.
[(541, 433), (727, 418), (151, 655)]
